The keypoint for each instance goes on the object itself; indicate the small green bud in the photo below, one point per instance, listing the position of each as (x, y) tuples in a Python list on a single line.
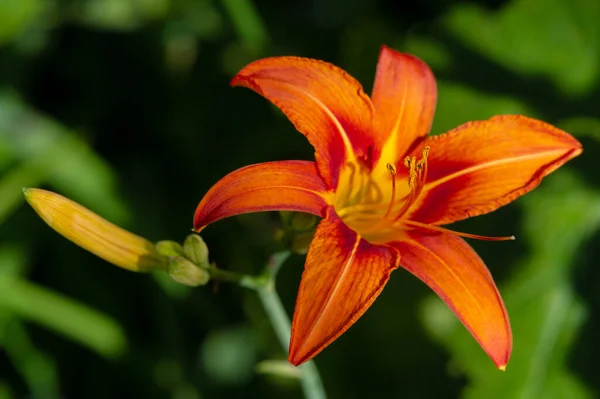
[(195, 249), (185, 272), (279, 234), (169, 248), (303, 221), (301, 242), (286, 216)]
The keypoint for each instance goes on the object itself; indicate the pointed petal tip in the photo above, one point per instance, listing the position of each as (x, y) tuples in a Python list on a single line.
[(499, 353), (295, 359), (198, 228), (404, 96), (391, 51), (301, 352), (502, 358), (241, 80), (270, 186)]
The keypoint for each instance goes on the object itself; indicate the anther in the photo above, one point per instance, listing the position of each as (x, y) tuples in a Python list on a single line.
[(391, 169), (425, 152)]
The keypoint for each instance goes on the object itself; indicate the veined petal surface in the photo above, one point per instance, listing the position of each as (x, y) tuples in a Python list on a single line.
[(481, 166), (342, 277), (451, 268), (269, 186), (323, 102), (404, 97)]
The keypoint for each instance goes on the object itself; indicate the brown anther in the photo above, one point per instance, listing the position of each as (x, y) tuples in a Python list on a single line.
[(391, 169), (425, 152)]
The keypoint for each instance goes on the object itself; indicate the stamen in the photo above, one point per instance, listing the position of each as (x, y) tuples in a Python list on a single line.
[(422, 226), (392, 171), (417, 175)]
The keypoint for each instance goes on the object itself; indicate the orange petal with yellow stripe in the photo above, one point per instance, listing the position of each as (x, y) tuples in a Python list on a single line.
[(269, 186), (481, 166), (404, 97), (323, 102), (451, 268), (342, 277)]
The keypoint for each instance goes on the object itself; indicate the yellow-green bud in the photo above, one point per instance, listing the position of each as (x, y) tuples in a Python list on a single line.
[(301, 242), (185, 272), (195, 249), (169, 248), (303, 221), (93, 233)]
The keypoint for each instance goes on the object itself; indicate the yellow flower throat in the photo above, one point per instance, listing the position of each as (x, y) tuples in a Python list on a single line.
[(374, 203), (377, 203)]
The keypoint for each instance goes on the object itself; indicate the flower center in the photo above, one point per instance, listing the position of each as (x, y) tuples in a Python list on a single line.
[(374, 203)]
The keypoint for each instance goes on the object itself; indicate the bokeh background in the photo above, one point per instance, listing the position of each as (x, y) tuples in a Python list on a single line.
[(124, 106)]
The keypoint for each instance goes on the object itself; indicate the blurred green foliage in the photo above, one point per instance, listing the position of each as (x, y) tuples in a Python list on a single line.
[(124, 106)]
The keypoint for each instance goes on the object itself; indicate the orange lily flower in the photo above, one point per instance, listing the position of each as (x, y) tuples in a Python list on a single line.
[(383, 188)]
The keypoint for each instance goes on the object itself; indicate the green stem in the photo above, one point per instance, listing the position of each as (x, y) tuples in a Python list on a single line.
[(264, 285), (310, 380), (243, 280)]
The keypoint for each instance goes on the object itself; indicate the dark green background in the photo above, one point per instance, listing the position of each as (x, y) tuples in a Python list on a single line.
[(124, 106)]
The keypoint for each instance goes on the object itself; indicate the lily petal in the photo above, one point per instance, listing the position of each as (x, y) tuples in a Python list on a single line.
[(481, 166), (269, 186), (342, 277), (404, 96), (451, 268), (323, 102)]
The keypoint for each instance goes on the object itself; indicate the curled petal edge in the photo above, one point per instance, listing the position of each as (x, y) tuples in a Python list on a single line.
[(324, 103), (269, 186), (471, 178)]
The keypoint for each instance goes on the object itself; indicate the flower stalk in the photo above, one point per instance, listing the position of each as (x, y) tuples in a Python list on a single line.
[(264, 285)]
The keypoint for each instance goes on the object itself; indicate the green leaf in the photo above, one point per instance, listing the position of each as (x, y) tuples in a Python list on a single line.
[(228, 356), (120, 15), (581, 126), (458, 104), (50, 152), (36, 367), (248, 24), (16, 16), (63, 315), (557, 39)]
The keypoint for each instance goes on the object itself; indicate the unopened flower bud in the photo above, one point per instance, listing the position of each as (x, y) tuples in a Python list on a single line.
[(195, 249), (301, 242), (93, 233), (185, 272), (302, 221), (169, 248)]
